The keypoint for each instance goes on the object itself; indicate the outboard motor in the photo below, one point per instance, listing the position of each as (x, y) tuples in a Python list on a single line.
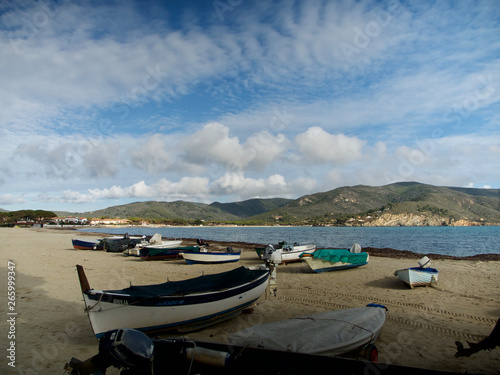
[(268, 251), (200, 242), (356, 248), (122, 348), (127, 348)]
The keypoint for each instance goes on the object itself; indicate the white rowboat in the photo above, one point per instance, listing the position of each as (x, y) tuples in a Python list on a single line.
[(178, 305), (418, 276), (210, 257)]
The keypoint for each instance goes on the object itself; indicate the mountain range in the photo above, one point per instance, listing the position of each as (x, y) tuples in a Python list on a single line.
[(402, 198)]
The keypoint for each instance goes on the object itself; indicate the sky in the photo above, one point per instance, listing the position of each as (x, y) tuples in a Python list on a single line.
[(106, 103)]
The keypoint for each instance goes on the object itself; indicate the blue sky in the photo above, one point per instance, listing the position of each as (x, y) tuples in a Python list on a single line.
[(106, 103)]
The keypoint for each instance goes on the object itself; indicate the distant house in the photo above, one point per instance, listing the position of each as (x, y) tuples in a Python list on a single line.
[(69, 220), (97, 221), (75, 220)]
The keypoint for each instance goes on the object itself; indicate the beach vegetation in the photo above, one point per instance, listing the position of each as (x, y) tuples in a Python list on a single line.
[(10, 218)]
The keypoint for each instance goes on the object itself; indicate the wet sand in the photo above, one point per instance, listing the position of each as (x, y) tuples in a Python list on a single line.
[(421, 328)]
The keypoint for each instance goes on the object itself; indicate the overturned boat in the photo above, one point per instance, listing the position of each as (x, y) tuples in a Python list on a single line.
[(329, 333), (174, 305)]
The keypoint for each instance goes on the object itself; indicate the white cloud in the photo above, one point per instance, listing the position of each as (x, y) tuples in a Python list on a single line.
[(318, 145), (97, 97), (153, 155), (196, 188), (236, 184), (8, 199), (163, 189), (214, 145)]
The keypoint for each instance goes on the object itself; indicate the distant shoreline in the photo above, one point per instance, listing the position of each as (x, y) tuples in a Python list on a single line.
[(69, 227), (378, 252)]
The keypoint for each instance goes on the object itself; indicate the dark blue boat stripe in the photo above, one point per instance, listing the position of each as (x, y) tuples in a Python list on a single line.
[(200, 320)]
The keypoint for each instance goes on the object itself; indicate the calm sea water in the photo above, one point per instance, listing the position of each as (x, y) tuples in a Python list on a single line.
[(457, 241)]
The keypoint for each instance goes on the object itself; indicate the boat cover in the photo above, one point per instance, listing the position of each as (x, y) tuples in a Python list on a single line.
[(341, 255), (201, 284), (329, 333)]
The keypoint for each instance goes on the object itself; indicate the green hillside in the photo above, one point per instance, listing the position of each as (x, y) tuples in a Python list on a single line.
[(404, 197), (334, 206), (251, 207), (165, 210), (181, 210)]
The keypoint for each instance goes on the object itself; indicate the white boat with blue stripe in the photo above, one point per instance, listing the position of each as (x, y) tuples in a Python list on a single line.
[(175, 305), (205, 256), (418, 276)]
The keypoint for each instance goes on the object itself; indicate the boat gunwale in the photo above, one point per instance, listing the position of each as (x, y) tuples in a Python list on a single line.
[(192, 298)]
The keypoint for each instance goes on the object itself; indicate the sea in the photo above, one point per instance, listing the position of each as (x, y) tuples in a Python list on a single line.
[(456, 241)]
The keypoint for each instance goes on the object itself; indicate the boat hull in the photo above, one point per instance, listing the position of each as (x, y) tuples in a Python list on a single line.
[(327, 260), (295, 249), (180, 311), (417, 276), (290, 256), (165, 245), (151, 253), (329, 333), (210, 257), (85, 244), (319, 265)]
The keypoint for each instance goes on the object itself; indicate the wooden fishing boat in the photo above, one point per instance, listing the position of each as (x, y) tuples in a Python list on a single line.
[(329, 333), (80, 244), (175, 305), (422, 275), (211, 257), (152, 253), (327, 260), (310, 247), (101, 243), (156, 242), (118, 244), (164, 245)]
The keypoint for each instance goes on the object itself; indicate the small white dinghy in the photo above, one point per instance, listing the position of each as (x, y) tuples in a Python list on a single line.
[(330, 333), (205, 256), (418, 276)]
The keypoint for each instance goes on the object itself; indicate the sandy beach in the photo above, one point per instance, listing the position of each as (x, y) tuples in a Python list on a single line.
[(421, 328)]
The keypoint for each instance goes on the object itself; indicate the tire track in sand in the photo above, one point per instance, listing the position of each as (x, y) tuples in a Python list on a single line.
[(393, 303)]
